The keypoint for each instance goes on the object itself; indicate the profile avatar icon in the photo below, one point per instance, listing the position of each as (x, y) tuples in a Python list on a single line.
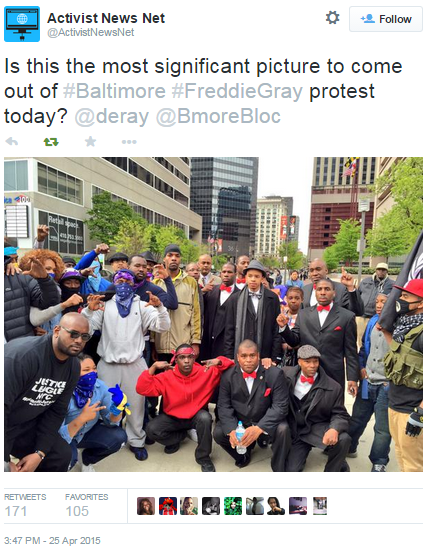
[(368, 19)]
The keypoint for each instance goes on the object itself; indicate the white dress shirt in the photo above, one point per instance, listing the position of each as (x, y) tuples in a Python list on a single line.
[(301, 389), (255, 301), (224, 295), (249, 380), (324, 314)]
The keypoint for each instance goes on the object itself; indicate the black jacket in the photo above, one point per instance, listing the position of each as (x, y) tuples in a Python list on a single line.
[(38, 388), (335, 340), (214, 329), (350, 301), (21, 292), (266, 406), (271, 340), (324, 406)]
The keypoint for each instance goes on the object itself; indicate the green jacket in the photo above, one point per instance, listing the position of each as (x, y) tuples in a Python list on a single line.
[(185, 321)]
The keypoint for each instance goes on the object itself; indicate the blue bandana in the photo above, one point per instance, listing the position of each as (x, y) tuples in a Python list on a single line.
[(84, 389), (124, 298)]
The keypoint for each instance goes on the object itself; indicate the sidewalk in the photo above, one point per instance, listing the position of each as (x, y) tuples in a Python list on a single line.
[(183, 460)]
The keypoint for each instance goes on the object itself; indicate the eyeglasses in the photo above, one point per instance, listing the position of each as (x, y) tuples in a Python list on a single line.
[(76, 335)]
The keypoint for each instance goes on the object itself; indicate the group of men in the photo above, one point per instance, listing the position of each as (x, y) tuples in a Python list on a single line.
[(171, 342)]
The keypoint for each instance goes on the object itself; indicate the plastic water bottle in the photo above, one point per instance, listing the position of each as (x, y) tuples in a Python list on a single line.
[(240, 431)]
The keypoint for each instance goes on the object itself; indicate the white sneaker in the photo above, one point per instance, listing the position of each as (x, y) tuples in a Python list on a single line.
[(192, 434), (378, 468), (87, 468)]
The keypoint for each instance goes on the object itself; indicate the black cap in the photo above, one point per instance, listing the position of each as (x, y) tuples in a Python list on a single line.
[(68, 259), (149, 257), (172, 248), (117, 257)]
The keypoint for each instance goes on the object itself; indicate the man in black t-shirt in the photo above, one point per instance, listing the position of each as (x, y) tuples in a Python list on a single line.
[(40, 375)]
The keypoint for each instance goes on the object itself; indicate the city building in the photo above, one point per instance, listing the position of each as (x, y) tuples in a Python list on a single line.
[(224, 193), (332, 196), (58, 192), (383, 203), (275, 224)]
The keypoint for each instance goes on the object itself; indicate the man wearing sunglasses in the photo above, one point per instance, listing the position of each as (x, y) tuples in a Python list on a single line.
[(41, 374)]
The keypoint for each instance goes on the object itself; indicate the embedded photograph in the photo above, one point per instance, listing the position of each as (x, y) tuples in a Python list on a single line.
[(213, 314)]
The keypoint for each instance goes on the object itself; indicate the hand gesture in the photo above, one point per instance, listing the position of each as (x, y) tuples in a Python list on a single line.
[(363, 374), (282, 320), (330, 438), (267, 362), (153, 300), (11, 269), (209, 363), (43, 232), (347, 280), (74, 300), (36, 270), (94, 302), (102, 248), (86, 272), (160, 271), (159, 366), (209, 286), (39, 332), (196, 348), (90, 411)]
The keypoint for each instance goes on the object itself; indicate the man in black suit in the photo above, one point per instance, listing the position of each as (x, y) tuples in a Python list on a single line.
[(258, 397), (345, 293), (317, 416), (216, 303), (252, 316), (332, 329)]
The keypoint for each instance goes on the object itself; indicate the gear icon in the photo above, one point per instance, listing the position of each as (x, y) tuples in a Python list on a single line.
[(332, 17)]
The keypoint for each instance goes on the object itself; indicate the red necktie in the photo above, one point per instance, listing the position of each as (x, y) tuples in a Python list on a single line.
[(327, 308), (240, 281), (307, 379), (224, 288), (253, 375), (314, 286)]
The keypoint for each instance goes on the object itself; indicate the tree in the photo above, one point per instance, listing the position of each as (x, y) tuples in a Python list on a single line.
[(106, 217), (295, 258), (270, 261), (131, 237), (396, 231), (330, 256), (191, 251), (219, 261), (346, 240)]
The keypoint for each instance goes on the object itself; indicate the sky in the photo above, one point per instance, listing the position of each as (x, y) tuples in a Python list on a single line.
[(292, 180)]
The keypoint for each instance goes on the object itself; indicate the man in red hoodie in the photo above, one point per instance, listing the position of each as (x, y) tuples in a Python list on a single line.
[(186, 389)]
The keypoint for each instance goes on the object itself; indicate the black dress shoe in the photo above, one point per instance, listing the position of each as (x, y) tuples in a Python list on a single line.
[(243, 461), (206, 466), (172, 449), (263, 441), (345, 467)]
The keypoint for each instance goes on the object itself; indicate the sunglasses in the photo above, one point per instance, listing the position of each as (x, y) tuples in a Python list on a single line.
[(76, 335)]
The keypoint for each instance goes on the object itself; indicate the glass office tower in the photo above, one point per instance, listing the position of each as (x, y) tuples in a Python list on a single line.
[(224, 193)]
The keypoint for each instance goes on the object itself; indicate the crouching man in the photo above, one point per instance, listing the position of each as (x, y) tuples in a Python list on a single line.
[(93, 418), (258, 397), (318, 418), (186, 389)]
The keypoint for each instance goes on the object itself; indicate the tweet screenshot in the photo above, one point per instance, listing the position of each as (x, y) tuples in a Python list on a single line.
[(211, 308)]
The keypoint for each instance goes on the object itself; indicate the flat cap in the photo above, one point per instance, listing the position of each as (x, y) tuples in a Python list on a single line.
[(118, 257), (307, 351)]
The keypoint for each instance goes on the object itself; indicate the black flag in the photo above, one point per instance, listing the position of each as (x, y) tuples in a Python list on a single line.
[(412, 269)]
